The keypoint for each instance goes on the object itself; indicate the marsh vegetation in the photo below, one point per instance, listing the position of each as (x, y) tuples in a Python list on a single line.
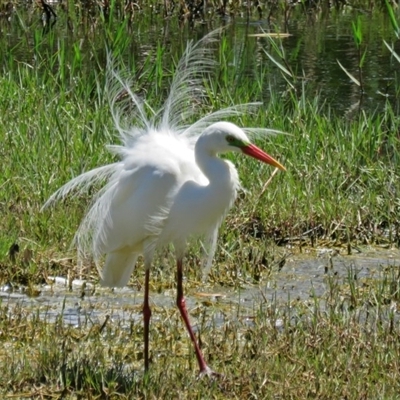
[(340, 195)]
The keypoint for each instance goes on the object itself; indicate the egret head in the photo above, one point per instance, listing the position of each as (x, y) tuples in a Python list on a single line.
[(223, 137)]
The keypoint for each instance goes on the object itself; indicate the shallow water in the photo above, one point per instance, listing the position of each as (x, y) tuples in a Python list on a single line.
[(317, 40), (303, 278)]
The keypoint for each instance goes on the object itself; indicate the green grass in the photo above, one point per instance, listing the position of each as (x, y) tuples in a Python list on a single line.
[(342, 179), (342, 345), (341, 188)]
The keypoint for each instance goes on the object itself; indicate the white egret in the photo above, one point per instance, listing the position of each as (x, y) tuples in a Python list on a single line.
[(168, 185)]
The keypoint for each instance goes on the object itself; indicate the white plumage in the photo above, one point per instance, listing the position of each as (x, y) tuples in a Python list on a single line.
[(169, 183)]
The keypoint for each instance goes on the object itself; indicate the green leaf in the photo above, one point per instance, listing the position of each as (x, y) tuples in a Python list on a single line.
[(278, 64), (363, 58), (357, 32), (393, 18)]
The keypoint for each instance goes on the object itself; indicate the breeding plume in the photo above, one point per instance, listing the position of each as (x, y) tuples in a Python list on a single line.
[(168, 184)]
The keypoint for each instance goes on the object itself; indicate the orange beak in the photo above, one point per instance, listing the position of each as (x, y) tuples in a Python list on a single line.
[(254, 151)]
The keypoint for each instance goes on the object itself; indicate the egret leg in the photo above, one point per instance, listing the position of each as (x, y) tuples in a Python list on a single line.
[(180, 301), (146, 317)]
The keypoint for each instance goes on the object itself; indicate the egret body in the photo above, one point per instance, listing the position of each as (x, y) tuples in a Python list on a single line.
[(169, 184)]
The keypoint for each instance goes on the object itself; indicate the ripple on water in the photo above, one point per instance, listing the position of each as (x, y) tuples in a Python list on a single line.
[(302, 278)]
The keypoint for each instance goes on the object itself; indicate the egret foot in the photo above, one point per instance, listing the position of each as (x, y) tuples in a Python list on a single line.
[(207, 371)]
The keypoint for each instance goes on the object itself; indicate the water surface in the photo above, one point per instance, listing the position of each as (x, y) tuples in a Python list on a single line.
[(317, 40), (303, 278)]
